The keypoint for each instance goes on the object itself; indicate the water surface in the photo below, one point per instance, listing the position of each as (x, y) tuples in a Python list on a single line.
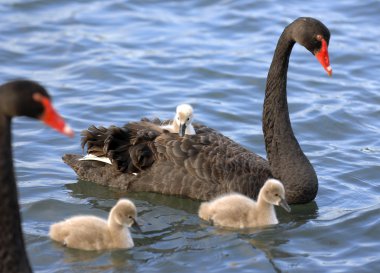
[(109, 62)]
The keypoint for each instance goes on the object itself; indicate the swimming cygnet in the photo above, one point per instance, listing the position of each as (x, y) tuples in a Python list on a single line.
[(235, 210), (93, 233), (181, 123)]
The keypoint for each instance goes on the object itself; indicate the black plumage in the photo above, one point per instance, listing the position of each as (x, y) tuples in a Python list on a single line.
[(18, 98)]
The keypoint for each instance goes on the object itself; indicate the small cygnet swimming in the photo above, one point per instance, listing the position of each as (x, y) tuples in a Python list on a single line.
[(235, 210), (93, 233)]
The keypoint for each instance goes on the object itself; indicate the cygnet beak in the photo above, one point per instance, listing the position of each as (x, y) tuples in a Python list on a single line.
[(284, 204), (182, 129), (136, 226)]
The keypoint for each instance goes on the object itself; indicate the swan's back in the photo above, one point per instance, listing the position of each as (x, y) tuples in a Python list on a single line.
[(146, 158)]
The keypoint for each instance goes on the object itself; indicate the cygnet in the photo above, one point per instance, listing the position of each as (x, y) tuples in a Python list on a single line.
[(181, 123), (94, 233), (235, 210)]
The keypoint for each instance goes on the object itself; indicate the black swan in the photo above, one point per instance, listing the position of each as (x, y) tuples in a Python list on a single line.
[(205, 165), (18, 98)]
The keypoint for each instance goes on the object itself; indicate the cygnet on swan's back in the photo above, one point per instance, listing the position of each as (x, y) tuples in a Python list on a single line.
[(181, 123), (235, 210), (93, 233)]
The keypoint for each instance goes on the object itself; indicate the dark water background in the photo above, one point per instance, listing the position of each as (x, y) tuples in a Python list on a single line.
[(109, 62)]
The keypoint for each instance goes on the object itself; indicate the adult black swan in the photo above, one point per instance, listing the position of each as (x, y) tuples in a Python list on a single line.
[(146, 158), (18, 98)]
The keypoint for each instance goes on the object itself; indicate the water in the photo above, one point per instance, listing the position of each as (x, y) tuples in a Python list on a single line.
[(109, 62)]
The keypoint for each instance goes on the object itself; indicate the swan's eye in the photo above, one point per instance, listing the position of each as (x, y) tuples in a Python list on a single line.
[(188, 119)]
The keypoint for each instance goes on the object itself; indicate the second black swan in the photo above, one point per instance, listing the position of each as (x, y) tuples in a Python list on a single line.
[(18, 98)]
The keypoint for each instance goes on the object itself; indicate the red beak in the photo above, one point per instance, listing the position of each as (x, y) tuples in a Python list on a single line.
[(323, 57), (51, 118)]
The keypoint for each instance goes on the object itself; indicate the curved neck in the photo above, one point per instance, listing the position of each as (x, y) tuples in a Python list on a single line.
[(286, 158), (119, 233), (268, 208), (175, 125), (12, 247), (276, 122), (264, 214), (112, 223)]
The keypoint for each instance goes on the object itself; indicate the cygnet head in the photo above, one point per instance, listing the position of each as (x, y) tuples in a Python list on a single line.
[(274, 193), (124, 213), (183, 117)]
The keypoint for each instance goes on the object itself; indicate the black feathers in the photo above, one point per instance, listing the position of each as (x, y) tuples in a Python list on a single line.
[(146, 158)]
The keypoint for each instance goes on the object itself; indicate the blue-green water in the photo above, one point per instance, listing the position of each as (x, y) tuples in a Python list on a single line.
[(109, 62)]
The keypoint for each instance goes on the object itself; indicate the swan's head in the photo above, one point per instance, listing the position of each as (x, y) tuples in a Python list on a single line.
[(28, 98), (274, 193), (124, 213), (183, 117), (315, 36)]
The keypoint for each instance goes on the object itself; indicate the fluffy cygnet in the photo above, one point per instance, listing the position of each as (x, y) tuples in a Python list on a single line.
[(235, 210), (182, 121), (93, 233)]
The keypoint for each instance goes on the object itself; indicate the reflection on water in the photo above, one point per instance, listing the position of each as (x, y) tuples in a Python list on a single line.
[(85, 189), (97, 261), (109, 62)]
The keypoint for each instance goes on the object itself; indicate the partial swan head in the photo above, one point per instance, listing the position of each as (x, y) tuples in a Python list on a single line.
[(124, 213), (274, 193), (183, 119)]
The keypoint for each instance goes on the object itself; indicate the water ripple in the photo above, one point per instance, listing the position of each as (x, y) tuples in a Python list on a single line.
[(109, 62)]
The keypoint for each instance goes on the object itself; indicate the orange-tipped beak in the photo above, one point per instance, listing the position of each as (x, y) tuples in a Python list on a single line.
[(51, 118), (323, 57)]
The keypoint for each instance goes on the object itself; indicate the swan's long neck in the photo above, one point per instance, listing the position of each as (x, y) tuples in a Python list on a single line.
[(112, 223), (12, 247), (276, 122), (120, 234), (175, 125), (287, 160), (267, 214)]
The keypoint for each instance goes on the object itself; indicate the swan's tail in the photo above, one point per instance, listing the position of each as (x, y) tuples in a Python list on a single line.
[(129, 147)]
